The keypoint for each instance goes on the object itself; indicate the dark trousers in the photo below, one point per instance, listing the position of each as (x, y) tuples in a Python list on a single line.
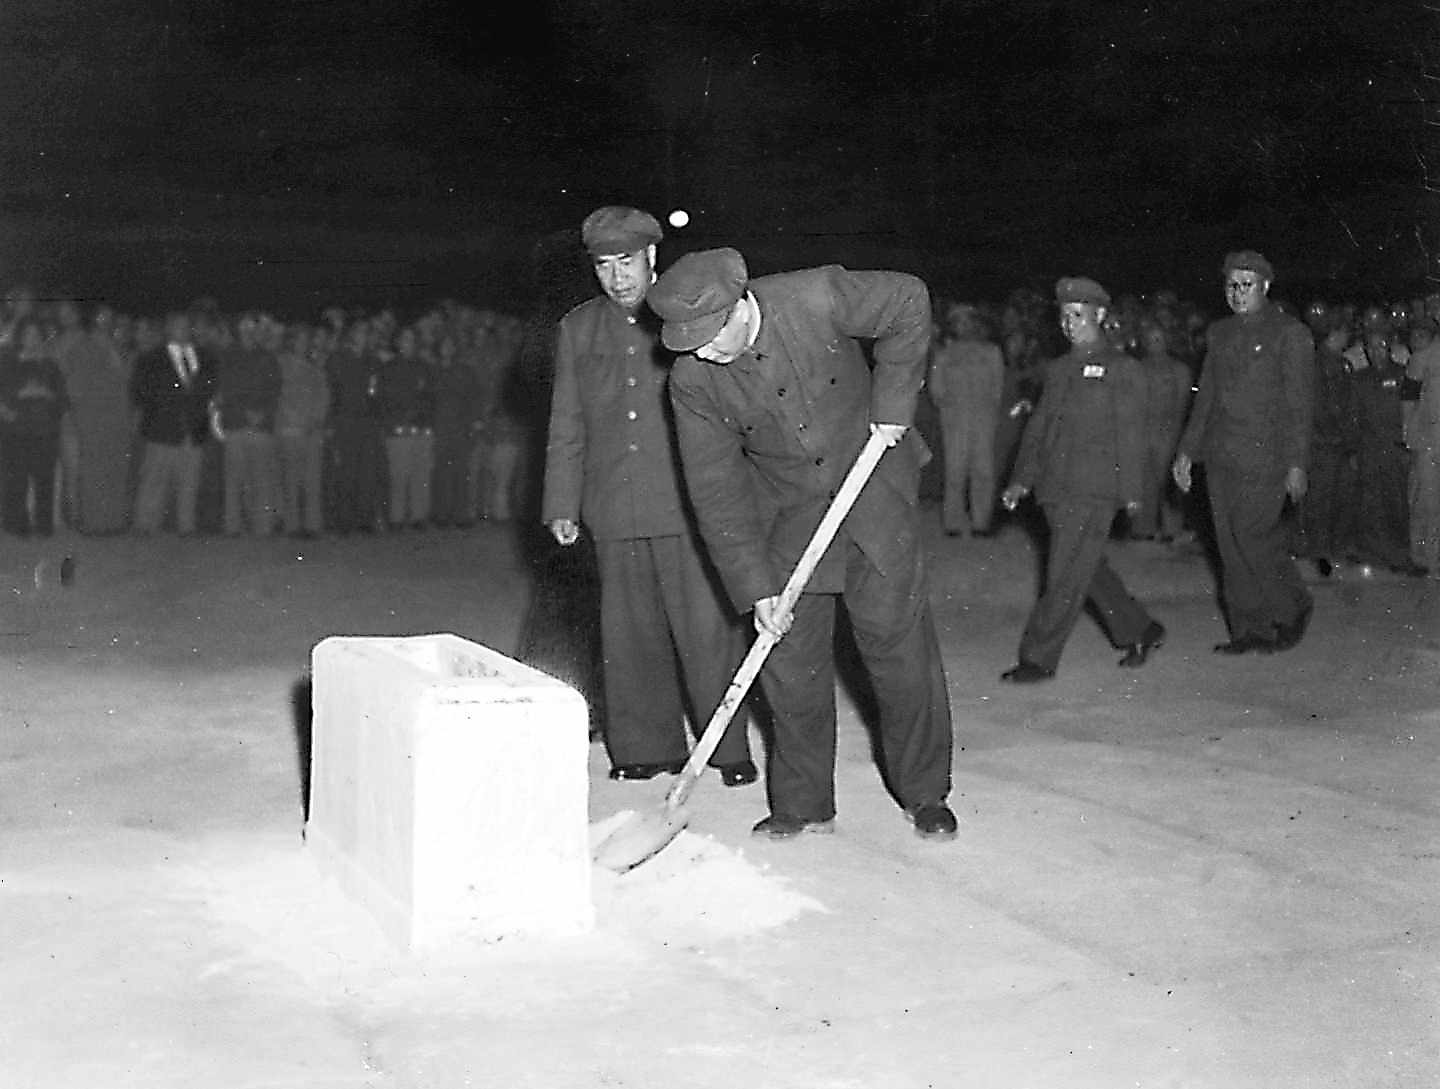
[(356, 474), (1384, 524), (1075, 570), (1327, 513), (450, 482), (25, 460), (670, 648), (1259, 582), (895, 635)]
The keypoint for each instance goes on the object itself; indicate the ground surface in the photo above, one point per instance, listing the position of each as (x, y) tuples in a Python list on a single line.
[(1207, 873)]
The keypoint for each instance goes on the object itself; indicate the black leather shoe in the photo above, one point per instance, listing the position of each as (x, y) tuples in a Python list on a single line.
[(1246, 644), (742, 773), (776, 826), (1027, 673), (1288, 635), (1411, 570), (645, 771), (934, 821), (1153, 638)]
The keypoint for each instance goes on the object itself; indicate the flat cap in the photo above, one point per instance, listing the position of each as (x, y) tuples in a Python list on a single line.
[(1248, 259), (1080, 289), (617, 229), (695, 295)]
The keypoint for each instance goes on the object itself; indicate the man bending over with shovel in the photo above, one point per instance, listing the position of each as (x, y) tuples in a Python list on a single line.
[(773, 401)]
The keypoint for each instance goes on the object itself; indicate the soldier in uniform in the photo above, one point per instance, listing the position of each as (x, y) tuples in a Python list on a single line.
[(967, 376), (611, 466), (1167, 397), (355, 455), (247, 395), (1422, 431), (1327, 513), (772, 404), (1250, 425), (1384, 531), (1083, 457)]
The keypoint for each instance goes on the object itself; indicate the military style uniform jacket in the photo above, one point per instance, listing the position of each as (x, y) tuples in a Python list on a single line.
[(768, 438), (1086, 440), (1253, 411), (1379, 408), (1335, 424), (610, 458)]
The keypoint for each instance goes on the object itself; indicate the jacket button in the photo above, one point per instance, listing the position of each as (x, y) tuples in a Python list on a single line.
[(781, 391), (819, 461)]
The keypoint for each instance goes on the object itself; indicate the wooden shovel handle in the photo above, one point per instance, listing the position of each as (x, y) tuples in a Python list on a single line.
[(850, 489)]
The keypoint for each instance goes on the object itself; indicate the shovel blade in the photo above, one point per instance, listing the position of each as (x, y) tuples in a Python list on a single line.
[(640, 838)]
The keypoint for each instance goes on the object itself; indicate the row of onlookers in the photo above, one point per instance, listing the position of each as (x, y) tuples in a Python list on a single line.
[(351, 423)]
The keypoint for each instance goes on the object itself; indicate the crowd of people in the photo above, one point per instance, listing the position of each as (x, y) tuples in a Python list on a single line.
[(1373, 496), (700, 423), (357, 422), (352, 423)]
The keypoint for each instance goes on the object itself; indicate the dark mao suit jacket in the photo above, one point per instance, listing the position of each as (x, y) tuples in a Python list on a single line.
[(610, 457), (768, 438)]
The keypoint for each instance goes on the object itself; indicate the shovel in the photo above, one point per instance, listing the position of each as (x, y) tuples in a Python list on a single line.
[(644, 835)]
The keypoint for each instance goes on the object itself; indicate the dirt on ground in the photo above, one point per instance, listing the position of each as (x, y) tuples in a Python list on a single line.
[(1208, 873)]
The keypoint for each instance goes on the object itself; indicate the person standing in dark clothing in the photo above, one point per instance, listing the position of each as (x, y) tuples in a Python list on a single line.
[(459, 409), (1167, 383), (405, 399), (1384, 523), (774, 399), (172, 385), (611, 465), (1327, 513), (1250, 425), (247, 394), (355, 458), (1083, 455), (32, 405)]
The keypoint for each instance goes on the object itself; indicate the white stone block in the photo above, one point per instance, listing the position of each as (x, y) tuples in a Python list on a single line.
[(449, 789)]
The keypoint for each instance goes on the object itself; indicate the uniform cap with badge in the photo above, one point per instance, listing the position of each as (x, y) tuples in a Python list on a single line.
[(695, 295), (1250, 261), (1080, 289), (615, 228)]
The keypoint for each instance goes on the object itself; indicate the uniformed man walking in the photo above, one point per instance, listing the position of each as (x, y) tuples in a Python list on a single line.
[(611, 465), (772, 405), (1083, 457), (1250, 425)]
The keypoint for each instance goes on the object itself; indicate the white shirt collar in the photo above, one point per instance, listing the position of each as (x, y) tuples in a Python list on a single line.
[(754, 305)]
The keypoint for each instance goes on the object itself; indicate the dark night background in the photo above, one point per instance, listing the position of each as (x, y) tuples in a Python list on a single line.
[(293, 153)]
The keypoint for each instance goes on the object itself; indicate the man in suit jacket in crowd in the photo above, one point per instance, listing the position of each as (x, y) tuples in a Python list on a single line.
[(171, 386)]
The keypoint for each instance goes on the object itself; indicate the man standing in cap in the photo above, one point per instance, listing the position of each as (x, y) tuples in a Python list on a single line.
[(610, 463), (1250, 425), (1083, 456), (772, 405)]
